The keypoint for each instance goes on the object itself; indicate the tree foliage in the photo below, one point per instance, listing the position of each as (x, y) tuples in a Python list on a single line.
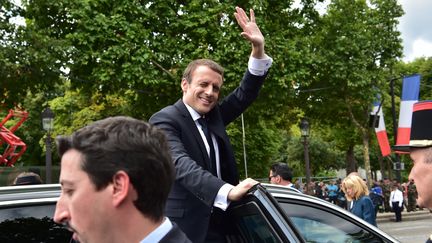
[(356, 46), (89, 59)]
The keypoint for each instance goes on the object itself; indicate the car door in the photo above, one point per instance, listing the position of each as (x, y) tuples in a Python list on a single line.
[(26, 215), (257, 218), (322, 223), (31, 223)]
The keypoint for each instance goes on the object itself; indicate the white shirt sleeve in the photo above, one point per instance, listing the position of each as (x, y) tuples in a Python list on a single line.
[(390, 201), (221, 200), (400, 198), (259, 67)]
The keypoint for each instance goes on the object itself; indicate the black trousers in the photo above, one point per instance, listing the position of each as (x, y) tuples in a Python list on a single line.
[(397, 210)]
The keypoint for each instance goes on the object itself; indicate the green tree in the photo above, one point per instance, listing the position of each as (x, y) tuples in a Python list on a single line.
[(127, 58), (137, 50), (357, 45)]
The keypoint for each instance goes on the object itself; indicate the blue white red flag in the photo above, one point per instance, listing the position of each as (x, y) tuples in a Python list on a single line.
[(410, 95), (380, 131)]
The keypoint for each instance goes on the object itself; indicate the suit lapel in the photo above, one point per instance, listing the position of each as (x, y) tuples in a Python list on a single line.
[(216, 125), (190, 124)]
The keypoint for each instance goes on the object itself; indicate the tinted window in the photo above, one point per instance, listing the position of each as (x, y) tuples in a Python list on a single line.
[(37, 211), (249, 224), (318, 225), (31, 224)]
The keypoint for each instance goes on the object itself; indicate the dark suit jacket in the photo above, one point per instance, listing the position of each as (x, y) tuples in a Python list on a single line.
[(364, 208), (191, 199), (175, 235)]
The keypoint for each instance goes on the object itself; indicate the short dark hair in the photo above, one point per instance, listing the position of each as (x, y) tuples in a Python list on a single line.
[(187, 74), (282, 170), (130, 145), (428, 154), (27, 178)]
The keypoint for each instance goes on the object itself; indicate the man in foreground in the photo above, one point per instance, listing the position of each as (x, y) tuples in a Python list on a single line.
[(420, 150), (115, 176)]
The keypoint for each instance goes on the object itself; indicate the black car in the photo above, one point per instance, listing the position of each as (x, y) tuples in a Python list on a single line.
[(267, 214), (26, 214)]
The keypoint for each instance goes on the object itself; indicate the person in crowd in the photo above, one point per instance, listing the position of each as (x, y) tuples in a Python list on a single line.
[(115, 177), (281, 174), (396, 202), (207, 179), (387, 188), (377, 197), (412, 196), (298, 185), (403, 187), (319, 192), (356, 192), (27, 178), (332, 191)]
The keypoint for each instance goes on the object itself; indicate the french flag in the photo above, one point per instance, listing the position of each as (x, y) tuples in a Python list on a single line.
[(380, 131), (410, 95)]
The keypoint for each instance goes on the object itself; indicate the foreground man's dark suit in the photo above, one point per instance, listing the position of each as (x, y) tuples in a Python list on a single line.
[(190, 203)]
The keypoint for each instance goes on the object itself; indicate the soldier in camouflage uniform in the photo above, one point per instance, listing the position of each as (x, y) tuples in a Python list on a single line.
[(412, 196), (386, 188)]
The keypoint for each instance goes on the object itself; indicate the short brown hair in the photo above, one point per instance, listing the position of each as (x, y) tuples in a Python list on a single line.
[(126, 144), (27, 178), (187, 74), (428, 155)]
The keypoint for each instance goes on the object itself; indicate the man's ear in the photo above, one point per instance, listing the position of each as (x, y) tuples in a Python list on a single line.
[(278, 178), (121, 186), (184, 85)]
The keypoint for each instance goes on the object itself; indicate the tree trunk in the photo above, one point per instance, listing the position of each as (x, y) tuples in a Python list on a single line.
[(366, 157), (381, 165), (351, 163)]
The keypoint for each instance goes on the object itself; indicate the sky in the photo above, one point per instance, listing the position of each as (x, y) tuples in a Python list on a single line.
[(415, 29)]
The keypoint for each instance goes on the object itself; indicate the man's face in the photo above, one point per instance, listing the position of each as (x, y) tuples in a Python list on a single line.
[(85, 210), (202, 92), (272, 178), (421, 175)]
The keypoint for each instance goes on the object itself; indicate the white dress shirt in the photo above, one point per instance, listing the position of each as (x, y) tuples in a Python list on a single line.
[(396, 196), (159, 233)]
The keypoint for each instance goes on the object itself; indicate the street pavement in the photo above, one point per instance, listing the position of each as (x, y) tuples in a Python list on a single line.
[(415, 226)]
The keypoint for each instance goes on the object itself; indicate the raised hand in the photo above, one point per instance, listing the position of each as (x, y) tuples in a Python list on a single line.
[(251, 31)]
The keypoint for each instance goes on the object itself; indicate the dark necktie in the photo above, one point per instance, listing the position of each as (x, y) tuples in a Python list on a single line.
[(203, 123)]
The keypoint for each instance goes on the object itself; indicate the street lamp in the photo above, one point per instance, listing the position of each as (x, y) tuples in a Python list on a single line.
[(397, 163), (304, 128), (48, 125)]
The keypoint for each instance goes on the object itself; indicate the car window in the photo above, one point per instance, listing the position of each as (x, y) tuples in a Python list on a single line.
[(318, 225), (250, 225), (31, 224), (27, 211)]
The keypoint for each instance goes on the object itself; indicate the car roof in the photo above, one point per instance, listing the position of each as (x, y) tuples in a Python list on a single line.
[(29, 194)]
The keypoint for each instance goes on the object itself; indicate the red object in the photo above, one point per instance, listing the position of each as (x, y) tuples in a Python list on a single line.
[(383, 142), (15, 147)]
